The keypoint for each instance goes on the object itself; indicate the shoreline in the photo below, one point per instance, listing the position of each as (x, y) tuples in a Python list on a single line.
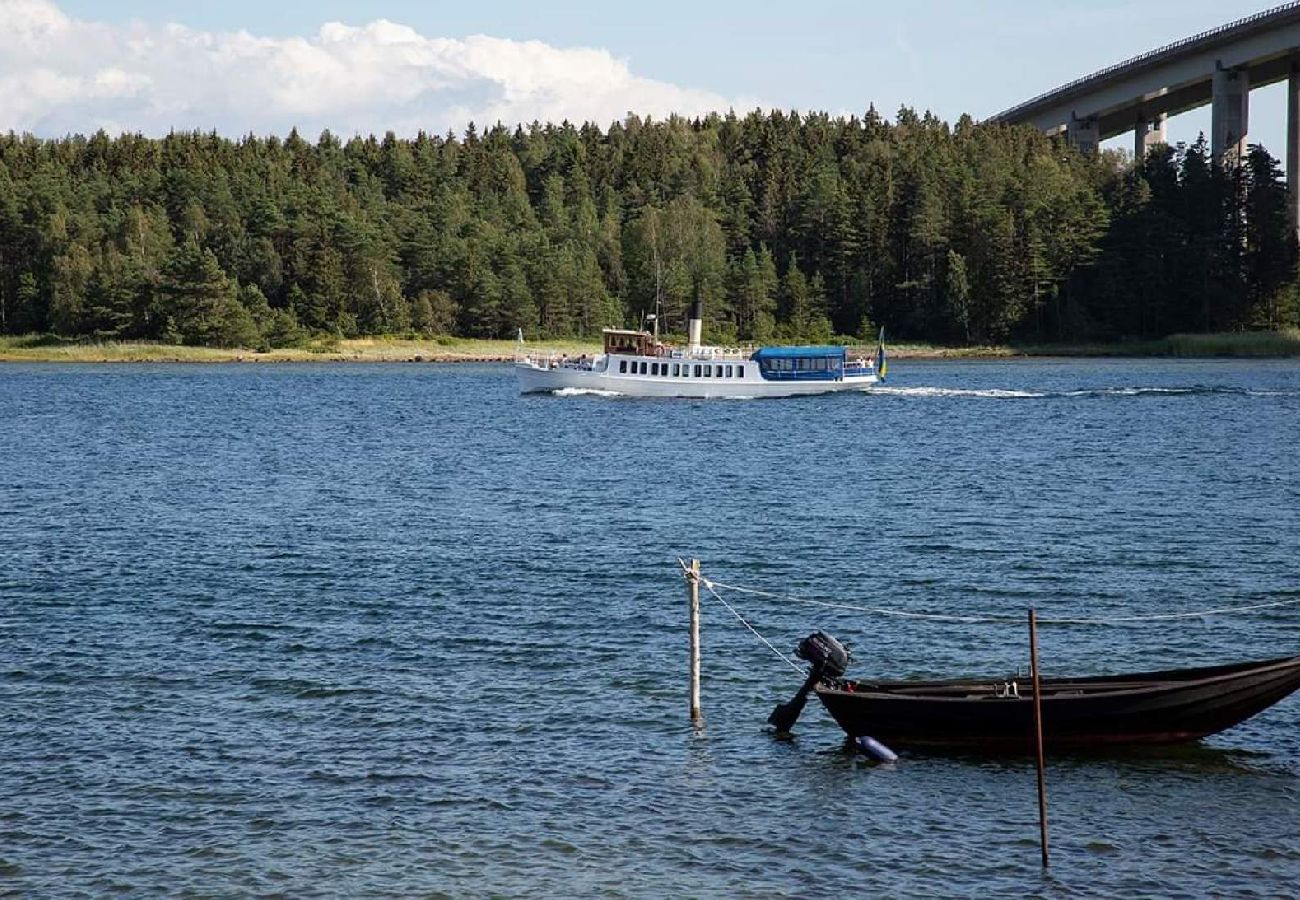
[(45, 349)]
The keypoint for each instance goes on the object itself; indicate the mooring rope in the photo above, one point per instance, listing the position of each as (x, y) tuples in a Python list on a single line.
[(991, 620), (708, 586)]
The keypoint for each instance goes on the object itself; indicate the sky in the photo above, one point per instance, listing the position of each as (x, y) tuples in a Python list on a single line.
[(268, 65)]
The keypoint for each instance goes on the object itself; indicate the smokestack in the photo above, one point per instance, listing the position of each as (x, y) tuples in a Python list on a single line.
[(694, 326)]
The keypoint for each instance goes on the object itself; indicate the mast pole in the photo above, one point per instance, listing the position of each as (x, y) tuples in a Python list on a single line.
[(1038, 734), (693, 586)]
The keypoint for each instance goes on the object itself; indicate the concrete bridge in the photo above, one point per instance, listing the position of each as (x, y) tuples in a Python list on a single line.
[(1218, 67)]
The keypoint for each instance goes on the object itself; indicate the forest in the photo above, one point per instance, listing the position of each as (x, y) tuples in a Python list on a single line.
[(787, 226)]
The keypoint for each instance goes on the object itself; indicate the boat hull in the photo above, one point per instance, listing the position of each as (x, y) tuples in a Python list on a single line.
[(1152, 708), (539, 379)]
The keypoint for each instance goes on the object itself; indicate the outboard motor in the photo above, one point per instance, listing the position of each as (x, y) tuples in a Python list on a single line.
[(828, 658), (826, 653)]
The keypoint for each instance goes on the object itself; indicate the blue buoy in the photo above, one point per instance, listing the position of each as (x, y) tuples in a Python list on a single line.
[(875, 749)]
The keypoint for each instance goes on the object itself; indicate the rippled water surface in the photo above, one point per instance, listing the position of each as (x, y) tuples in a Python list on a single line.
[(397, 630)]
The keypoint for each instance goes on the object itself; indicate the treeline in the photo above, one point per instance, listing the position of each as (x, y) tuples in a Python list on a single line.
[(786, 226)]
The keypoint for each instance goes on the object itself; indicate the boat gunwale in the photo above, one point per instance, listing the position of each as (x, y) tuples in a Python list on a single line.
[(1060, 689)]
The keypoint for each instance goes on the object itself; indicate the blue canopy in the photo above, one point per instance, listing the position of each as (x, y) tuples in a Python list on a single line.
[(767, 353)]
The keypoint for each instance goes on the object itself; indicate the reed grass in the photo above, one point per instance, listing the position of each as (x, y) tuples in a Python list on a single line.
[(1249, 344), (1244, 344)]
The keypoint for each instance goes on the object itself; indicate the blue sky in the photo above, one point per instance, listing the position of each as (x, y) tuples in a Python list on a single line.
[(947, 56)]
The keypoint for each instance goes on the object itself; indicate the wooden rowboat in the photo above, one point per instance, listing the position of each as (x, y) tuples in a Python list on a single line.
[(1078, 713)]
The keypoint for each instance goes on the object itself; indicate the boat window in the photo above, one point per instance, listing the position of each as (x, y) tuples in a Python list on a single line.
[(697, 370), (728, 371), (740, 371), (654, 368), (676, 369), (643, 368), (622, 366)]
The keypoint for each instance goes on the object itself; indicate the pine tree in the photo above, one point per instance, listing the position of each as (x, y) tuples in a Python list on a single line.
[(199, 302), (1270, 251), (957, 295), (794, 305)]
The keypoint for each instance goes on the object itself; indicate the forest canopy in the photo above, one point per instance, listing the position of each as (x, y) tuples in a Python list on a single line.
[(787, 226)]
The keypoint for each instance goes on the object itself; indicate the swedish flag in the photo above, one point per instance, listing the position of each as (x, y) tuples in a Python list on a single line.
[(882, 364)]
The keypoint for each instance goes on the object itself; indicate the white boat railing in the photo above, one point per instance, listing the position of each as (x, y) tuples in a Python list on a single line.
[(557, 361)]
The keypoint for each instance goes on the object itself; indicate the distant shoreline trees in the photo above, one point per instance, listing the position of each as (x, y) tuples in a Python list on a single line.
[(787, 226)]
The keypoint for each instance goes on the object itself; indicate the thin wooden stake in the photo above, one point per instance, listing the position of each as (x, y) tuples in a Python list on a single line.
[(1038, 734), (693, 583)]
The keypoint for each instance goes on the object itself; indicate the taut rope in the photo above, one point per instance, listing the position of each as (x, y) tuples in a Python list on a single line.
[(991, 620)]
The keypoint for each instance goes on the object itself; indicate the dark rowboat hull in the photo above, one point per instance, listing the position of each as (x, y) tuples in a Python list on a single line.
[(1078, 713)]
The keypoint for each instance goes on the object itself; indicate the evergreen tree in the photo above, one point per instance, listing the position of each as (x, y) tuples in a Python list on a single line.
[(957, 296), (795, 306), (199, 302), (1270, 251)]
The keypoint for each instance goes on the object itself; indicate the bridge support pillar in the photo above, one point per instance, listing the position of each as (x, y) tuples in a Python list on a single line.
[(1293, 146), (1084, 134), (1230, 115), (1150, 132)]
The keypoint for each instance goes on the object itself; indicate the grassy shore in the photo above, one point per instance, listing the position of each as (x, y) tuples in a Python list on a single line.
[(45, 348)]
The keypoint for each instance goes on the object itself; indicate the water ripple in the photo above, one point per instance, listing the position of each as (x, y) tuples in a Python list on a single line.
[(321, 630)]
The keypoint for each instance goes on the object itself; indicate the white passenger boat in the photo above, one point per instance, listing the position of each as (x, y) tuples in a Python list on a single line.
[(636, 364)]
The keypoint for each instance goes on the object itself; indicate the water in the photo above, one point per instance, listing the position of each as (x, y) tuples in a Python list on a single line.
[(395, 630)]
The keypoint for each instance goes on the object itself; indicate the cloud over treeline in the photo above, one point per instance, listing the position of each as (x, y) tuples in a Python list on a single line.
[(61, 75)]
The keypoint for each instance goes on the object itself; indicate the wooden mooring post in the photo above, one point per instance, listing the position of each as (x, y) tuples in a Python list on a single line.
[(693, 586), (1038, 734)]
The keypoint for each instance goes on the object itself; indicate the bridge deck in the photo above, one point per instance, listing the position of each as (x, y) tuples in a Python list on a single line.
[(1170, 79)]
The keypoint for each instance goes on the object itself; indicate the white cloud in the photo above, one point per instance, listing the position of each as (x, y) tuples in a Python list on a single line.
[(60, 75)]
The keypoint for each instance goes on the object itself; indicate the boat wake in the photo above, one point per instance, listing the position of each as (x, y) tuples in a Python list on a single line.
[(989, 394), (584, 392), (1090, 393)]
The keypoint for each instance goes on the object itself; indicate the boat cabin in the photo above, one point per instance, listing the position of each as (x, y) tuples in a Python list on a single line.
[(801, 363), (630, 343)]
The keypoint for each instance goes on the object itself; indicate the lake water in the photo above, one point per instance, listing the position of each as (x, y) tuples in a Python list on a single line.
[(395, 630)]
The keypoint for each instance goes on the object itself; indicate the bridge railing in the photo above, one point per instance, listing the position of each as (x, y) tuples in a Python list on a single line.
[(1150, 54)]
